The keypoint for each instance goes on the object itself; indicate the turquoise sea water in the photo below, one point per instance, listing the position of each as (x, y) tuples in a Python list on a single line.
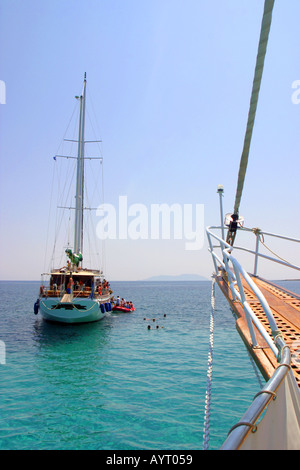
[(114, 384)]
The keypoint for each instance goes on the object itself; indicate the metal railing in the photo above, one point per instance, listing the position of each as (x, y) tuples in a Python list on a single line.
[(234, 277), (227, 263), (248, 423), (256, 253)]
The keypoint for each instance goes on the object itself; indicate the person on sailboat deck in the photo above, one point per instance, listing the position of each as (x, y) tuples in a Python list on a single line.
[(69, 286)]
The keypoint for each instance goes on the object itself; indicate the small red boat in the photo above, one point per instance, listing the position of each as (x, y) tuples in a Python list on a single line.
[(119, 308)]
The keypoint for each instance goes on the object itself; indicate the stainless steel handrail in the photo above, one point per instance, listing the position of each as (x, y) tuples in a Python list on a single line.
[(256, 252), (234, 278), (238, 433), (247, 424)]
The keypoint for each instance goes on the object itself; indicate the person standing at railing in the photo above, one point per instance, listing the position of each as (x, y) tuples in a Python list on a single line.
[(69, 286)]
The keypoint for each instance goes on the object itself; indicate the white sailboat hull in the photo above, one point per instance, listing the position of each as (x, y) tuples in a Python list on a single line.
[(75, 311)]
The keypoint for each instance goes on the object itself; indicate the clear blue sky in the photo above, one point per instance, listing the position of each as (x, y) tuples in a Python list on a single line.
[(170, 82)]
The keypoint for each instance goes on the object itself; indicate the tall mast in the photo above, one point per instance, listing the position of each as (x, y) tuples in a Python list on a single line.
[(78, 238)]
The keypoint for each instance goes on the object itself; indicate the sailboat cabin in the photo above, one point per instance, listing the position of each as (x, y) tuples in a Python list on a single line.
[(81, 283)]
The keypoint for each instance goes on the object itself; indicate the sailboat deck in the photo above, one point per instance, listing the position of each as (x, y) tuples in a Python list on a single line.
[(285, 307)]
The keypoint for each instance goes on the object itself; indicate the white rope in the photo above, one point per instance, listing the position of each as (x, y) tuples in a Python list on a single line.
[(258, 233), (209, 371)]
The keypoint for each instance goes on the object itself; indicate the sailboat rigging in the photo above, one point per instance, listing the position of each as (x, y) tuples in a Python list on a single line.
[(76, 294), (262, 49)]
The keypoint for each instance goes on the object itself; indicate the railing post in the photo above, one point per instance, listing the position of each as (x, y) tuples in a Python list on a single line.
[(245, 306), (228, 272), (211, 250), (220, 191), (256, 254)]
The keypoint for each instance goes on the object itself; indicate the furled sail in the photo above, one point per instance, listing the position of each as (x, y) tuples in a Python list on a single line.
[(262, 48), (75, 258)]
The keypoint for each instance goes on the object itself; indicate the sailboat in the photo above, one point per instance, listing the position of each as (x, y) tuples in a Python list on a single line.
[(267, 314), (75, 294)]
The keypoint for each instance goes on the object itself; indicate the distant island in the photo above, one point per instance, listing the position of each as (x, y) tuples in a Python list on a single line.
[(180, 277)]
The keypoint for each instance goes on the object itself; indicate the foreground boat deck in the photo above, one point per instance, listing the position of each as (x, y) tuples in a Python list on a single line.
[(285, 307)]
